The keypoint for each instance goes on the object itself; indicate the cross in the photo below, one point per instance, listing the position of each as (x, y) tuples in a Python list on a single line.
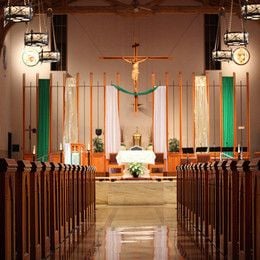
[(135, 60)]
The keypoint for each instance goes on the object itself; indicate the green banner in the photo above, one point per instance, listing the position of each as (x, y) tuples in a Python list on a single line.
[(43, 120), (135, 93), (228, 113)]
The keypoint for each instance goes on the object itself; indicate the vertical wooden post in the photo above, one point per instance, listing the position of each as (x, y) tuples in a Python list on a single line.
[(248, 115), (23, 148), (63, 104), (208, 99), (220, 110), (235, 112), (104, 86), (77, 89), (91, 108), (167, 107), (37, 106), (118, 83), (193, 108), (180, 86), (50, 137), (153, 84)]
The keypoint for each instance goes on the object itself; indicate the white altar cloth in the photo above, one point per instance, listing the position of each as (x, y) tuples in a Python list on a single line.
[(144, 156)]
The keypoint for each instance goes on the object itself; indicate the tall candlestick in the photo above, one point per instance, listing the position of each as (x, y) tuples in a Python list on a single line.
[(34, 150)]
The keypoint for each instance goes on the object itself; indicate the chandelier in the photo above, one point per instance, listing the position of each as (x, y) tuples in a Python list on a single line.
[(250, 11), (222, 55), (18, 13), (234, 38), (50, 55), (217, 53), (40, 37)]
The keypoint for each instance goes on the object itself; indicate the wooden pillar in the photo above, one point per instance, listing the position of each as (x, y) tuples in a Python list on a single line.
[(50, 136), (24, 83), (193, 108), (91, 110), (220, 112), (8, 233), (153, 84), (180, 86), (105, 96), (208, 99), (167, 113), (235, 112), (248, 115), (77, 91)]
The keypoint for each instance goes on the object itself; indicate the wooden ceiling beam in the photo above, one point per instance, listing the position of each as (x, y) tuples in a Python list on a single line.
[(118, 10)]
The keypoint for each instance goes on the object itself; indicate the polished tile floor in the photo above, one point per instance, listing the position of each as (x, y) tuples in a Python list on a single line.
[(133, 232)]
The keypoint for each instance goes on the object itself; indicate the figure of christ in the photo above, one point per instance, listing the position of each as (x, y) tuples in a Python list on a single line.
[(135, 68)]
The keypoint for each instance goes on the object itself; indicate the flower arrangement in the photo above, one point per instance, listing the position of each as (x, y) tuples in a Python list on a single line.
[(136, 169), (98, 144), (173, 145)]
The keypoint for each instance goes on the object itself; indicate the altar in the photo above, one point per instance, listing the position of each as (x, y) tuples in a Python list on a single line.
[(140, 156)]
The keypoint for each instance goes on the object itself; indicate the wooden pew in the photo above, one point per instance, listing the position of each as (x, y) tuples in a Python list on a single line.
[(8, 168), (22, 209), (45, 209), (35, 210), (254, 167), (223, 197)]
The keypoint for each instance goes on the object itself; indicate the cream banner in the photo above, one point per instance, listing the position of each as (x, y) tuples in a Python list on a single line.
[(201, 112)]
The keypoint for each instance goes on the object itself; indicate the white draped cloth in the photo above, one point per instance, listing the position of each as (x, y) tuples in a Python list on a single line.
[(160, 142), (201, 111), (112, 129), (70, 133)]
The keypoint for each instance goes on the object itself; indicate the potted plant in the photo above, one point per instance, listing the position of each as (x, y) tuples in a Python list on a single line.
[(173, 145), (98, 144), (136, 169)]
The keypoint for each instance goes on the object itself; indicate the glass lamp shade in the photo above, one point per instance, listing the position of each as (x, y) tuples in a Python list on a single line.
[(49, 56), (36, 39), (236, 38), (251, 11), (222, 55), (18, 13)]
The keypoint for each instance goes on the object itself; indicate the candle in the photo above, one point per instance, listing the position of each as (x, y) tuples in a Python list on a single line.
[(34, 149), (88, 147), (238, 148), (60, 146)]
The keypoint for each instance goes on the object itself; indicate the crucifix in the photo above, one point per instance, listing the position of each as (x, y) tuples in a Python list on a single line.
[(135, 60)]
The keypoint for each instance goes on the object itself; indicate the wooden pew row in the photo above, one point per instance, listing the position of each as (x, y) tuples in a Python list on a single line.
[(218, 205), (43, 204)]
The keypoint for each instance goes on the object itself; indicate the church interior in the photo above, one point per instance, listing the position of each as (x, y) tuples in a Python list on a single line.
[(130, 129)]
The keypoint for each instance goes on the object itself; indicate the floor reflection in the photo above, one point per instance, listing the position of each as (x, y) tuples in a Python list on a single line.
[(132, 232)]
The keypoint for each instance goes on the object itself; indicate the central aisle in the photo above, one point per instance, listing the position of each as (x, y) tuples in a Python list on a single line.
[(137, 232)]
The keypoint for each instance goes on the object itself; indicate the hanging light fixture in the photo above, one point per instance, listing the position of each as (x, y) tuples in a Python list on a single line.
[(251, 11), (39, 38), (50, 55), (18, 13), (218, 54), (233, 38)]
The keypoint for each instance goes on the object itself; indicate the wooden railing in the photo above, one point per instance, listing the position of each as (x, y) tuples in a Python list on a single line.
[(218, 204), (41, 205)]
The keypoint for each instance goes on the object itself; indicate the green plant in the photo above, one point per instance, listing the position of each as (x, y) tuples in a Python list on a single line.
[(98, 144), (136, 169), (173, 145)]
